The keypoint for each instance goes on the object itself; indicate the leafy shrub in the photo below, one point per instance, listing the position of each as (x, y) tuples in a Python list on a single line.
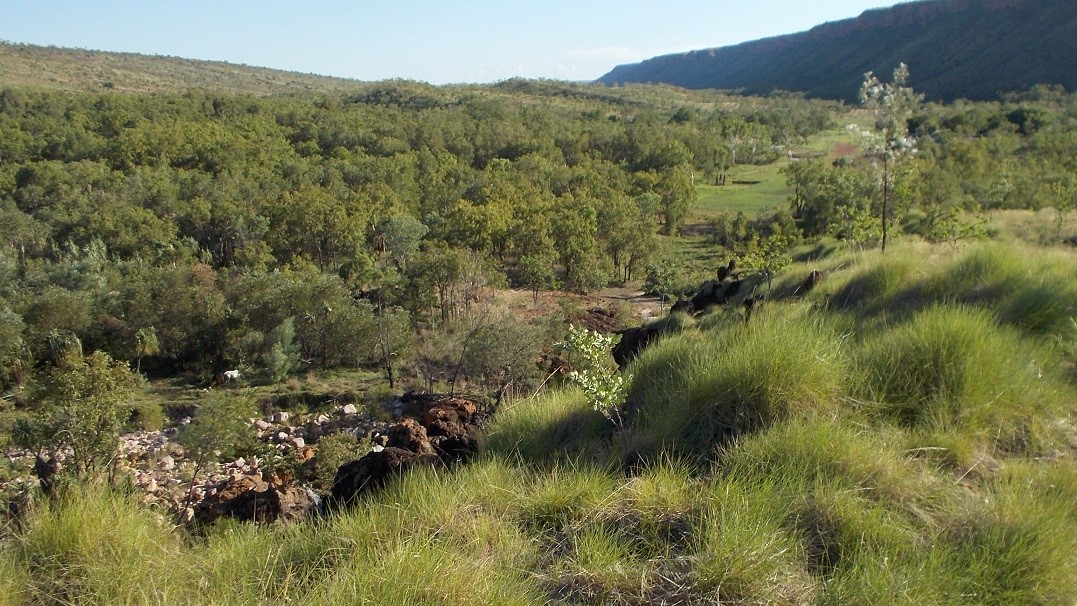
[(145, 416), (600, 381), (79, 404)]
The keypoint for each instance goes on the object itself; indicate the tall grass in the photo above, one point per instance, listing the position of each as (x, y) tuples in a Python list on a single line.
[(745, 552), (955, 368), (95, 546), (14, 581), (1013, 549), (900, 447), (692, 394), (556, 424)]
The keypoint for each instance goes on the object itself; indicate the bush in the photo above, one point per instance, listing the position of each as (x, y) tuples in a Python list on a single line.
[(145, 416), (333, 451), (79, 404)]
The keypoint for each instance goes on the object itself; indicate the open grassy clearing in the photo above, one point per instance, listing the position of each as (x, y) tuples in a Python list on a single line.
[(899, 435), (751, 188)]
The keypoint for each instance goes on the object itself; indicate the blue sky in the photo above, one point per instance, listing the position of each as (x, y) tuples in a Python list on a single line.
[(435, 41)]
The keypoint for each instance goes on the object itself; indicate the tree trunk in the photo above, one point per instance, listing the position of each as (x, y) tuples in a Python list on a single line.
[(886, 195)]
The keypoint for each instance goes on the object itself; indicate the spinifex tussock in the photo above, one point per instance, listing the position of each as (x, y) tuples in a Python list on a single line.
[(746, 554), (558, 423), (693, 393), (801, 455), (1012, 546), (1032, 289), (879, 281), (954, 368), (435, 537)]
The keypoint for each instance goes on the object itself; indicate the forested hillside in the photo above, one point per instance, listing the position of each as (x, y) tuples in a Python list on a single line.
[(957, 49)]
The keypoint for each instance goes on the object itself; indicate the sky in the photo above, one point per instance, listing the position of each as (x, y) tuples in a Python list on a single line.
[(436, 41)]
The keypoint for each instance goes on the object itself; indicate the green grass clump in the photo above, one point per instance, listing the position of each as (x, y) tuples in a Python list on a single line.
[(1033, 289), (691, 394), (436, 537), (242, 563), (800, 456), (558, 423), (93, 545), (953, 368), (1013, 548), (14, 581), (602, 567), (562, 497), (745, 553), (877, 283)]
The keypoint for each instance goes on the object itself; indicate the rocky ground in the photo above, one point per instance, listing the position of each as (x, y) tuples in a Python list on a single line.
[(425, 429), (158, 467)]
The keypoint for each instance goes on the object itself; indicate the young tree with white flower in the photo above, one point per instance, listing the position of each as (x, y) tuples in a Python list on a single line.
[(893, 104)]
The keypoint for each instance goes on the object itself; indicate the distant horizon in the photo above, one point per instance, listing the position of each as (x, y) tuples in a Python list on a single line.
[(476, 42)]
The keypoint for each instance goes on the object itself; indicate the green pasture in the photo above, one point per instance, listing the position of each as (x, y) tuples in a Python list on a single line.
[(751, 188)]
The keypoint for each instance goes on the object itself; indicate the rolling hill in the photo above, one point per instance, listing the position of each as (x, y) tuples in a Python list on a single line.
[(971, 49), (89, 70)]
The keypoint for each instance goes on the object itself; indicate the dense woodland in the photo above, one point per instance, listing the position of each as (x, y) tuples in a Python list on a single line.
[(214, 219), (221, 226)]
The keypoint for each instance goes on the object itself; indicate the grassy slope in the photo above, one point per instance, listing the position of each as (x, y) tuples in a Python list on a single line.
[(77, 69), (901, 436)]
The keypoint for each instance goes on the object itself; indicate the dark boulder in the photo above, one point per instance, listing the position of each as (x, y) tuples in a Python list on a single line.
[(455, 428), (633, 340), (251, 499), (435, 430), (714, 293), (408, 434), (815, 278), (373, 472), (682, 306)]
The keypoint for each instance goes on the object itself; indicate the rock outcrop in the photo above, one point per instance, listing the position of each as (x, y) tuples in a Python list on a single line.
[(435, 430), (251, 499)]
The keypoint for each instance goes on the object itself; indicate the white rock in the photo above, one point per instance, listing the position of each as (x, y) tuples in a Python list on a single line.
[(321, 420), (262, 425), (166, 463), (281, 417), (298, 442), (349, 409), (240, 462), (282, 436)]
